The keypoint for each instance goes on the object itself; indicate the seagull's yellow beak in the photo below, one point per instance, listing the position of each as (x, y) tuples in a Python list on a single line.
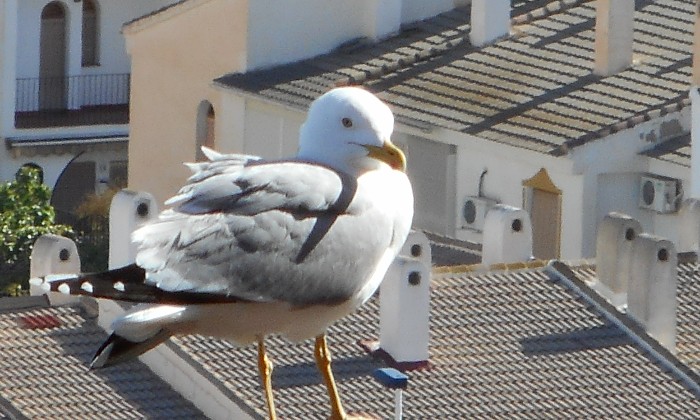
[(389, 154)]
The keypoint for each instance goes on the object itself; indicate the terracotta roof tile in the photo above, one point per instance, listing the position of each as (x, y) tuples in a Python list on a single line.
[(44, 370), (503, 344)]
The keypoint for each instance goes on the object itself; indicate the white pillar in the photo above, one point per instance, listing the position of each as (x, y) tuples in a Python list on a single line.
[(404, 308), (507, 235), (689, 226), (651, 293), (614, 36), (614, 243), (695, 142), (490, 20), (128, 211), (53, 254)]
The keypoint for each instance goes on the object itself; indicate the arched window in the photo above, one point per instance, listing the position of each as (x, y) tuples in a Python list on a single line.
[(205, 128), (52, 57), (89, 38)]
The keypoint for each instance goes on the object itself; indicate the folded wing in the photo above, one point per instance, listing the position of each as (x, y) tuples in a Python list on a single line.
[(264, 231)]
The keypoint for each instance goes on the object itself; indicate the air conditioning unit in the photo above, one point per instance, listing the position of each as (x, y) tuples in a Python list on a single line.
[(474, 212), (659, 193)]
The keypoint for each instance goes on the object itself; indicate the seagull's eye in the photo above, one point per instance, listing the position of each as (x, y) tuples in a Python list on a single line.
[(347, 122)]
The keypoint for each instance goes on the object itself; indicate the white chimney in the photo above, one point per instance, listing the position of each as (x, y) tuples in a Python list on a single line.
[(490, 20), (689, 226), (651, 292), (616, 234), (614, 35), (507, 235), (53, 254), (694, 95), (404, 307), (128, 211), (382, 18)]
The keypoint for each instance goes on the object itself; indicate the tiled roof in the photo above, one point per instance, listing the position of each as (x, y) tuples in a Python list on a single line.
[(688, 315), (688, 340), (447, 251), (514, 343), (44, 357), (534, 89), (503, 344)]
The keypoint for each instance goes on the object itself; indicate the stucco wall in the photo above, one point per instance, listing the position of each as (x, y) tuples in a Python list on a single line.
[(174, 60), (613, 166), (301, 29), (506, 169), (306, 28), (413, 10)]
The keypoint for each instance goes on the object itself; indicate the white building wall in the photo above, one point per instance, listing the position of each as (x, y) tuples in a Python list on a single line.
[(306, 28), (414, 10), (506, 169), (301, 30), (612, 167), (271, 131)]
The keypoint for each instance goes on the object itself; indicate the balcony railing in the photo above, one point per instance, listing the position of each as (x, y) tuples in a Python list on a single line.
[(72, 101)]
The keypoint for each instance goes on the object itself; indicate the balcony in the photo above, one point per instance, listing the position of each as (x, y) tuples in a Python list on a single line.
[(72, 101)]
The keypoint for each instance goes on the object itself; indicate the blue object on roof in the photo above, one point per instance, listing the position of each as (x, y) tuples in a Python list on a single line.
[(391, 378)]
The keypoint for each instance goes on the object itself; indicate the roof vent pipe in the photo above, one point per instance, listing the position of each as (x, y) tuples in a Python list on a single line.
[(614, 35), (53, 254), (404, 304), (490, 20), (694, 95), (507, 235), (616, 234), (128, 211), (651, 292)]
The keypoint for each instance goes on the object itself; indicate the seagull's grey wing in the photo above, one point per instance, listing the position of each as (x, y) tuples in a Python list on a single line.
[(269, 232), (248, 190), (218, 164)]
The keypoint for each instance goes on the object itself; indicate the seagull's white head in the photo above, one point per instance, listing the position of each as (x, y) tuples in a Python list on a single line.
[(349, 129)]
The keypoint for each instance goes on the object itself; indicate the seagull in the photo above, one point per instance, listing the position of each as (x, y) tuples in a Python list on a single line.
[(251, 247)]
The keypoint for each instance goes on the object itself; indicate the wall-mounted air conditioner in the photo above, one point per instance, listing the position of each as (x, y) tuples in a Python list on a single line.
[(474, 212), (659, 193)]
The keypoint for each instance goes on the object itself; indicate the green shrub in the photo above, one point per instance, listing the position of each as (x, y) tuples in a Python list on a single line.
[(25, 215)]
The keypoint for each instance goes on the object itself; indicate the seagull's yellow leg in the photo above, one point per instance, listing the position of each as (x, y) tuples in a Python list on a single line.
[(265, 367), (323, 361)]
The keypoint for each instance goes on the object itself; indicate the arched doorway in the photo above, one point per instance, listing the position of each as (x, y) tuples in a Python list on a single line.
[(52, 57), (74, 185), (543, 200)]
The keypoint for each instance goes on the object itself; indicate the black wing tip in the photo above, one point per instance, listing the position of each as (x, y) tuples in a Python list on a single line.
[(117, 349), (110, 351)]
